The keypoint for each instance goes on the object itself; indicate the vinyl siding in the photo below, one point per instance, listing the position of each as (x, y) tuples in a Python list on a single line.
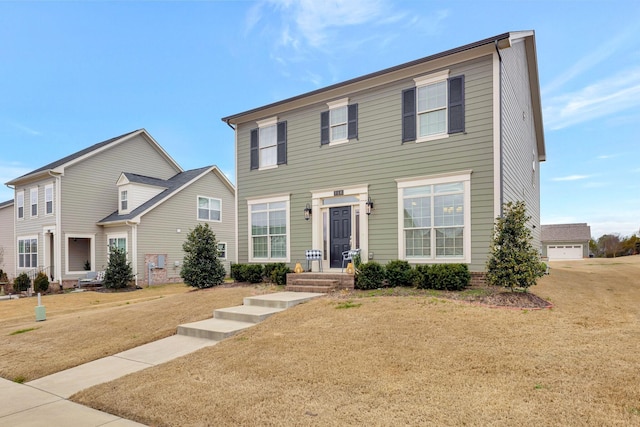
[(138, 194), (157, 232), (376, 159), (7, 241), (519, 148), (89, 191)]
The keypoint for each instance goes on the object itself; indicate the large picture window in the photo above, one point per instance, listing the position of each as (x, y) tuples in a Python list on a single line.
[(28, 252), (209, 209), (434, 218), (269, 229)]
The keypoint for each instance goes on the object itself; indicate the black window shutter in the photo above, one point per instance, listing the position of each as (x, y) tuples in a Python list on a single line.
[(456, 104), (324, 128), (352, 121), (409, 115), (255, 159), (282, 143)]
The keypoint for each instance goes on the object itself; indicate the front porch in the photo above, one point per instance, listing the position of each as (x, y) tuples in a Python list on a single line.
[(319, 282)]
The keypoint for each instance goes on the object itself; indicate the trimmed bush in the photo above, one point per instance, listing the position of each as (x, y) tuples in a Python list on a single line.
[(236, 273), (41, 282), (270, 267), (399, 273), (423, 276), (449, 277), (252, 273), (201, 267), (21, 283), (278, 275), (370, 276)]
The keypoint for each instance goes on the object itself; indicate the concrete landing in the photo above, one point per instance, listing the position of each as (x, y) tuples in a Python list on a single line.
[(246, 313), (213, 329), (281, 299)]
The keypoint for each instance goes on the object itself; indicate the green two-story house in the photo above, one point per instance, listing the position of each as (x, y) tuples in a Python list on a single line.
[(413, 162)]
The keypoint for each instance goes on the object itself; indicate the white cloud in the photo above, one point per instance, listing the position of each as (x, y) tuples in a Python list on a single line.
[(570, 178)]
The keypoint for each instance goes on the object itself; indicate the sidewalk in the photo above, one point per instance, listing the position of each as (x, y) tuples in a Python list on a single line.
[(43, 402)]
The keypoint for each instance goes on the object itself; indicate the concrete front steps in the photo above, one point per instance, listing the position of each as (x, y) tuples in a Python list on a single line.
[(229, 321), (318, 282)]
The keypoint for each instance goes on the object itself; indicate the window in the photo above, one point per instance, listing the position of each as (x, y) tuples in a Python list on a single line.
[(34, 201), (20, 204), (433, 108), (48, 199), (28, 252), (340, 123), (117, 241), (434, 219), (124, 200), (222, 250), (268, 229), (209, 209), (269, 144)]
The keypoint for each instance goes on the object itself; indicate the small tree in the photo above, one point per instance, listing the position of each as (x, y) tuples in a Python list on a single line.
[(118, 273), (201, 267), (513, 262)]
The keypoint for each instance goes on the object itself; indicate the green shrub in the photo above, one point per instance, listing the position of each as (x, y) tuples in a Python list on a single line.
[(279, 274), (118, 273), (370, 276), (399, 273), (423, 279), (41, 282), (449, 277), (201, 267), (3, 276), (270, 267), (252, 273), (236, 273), (21, 283)]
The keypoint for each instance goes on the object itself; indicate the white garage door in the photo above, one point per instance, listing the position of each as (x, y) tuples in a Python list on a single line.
[(555, 252)]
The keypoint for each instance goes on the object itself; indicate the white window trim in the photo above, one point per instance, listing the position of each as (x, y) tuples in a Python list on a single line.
[(31, 204), (198, 208), (459, 176), (120, 200), (20, 204), (118, 236), (92, 249), (29, 237), (273, 199), (226, 248), (48, 187), (339, 103), (432, 78), (271, 121)]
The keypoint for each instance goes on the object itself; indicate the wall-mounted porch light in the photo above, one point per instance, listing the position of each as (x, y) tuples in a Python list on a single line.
[(307, 212), (369, 204)]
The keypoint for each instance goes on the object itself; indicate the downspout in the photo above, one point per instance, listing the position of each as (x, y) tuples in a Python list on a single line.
[(235, 190), (57, 236), (13, 239), (500, 125), (134, 248)]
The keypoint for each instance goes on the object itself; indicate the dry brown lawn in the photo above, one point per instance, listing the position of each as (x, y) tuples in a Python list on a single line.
[(413, 360), (86, 326)]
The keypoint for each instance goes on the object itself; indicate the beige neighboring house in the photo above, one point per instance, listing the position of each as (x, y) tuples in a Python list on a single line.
[(565, 241), (125, 191), (413, 162), (7, 244)]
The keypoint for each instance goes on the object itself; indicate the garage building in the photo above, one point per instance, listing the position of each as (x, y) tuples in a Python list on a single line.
[(565, 241)]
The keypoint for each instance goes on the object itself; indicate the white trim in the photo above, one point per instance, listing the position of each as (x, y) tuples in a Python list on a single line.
[(360, 191), (17, 251), (19, 196), (271, 121), (430, 78), (225, 250), (92, 250), (50, 188), (37, 204), (338, 103), (120, 200), (460, 176), (198, 197), (274, 199), (497, 132), (119, 235)]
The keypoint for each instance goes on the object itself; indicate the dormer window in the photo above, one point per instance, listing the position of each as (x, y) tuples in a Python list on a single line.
[(123, 200)]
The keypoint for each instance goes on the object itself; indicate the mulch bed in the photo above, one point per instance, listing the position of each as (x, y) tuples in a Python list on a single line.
[(524, 300)]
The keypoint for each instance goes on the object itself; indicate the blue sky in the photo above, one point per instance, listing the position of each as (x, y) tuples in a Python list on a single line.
[(75, 73)]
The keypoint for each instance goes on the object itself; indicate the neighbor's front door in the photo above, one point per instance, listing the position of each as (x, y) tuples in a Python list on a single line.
[(340, 234)]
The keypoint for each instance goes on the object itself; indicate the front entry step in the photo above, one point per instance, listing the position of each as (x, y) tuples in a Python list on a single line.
[(319, 282), (246, 313), (213, 329)]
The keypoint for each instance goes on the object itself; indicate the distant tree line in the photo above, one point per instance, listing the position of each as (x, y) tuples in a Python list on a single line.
[(614, 245)]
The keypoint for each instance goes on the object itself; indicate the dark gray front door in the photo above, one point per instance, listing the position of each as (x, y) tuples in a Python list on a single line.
[(340, 233)]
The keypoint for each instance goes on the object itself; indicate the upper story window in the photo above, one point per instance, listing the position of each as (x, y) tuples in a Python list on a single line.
[(20, 204), (434, 108), (209, 209), (269, 144), (340, 123), (124, 200), (34, 202), (48, 199)]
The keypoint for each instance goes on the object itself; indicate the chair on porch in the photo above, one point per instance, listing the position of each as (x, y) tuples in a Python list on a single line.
[(313, 255), (347, 256)]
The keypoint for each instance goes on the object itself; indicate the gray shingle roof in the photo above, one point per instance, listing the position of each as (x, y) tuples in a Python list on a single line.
[(147, 180), (6, 203), (580, 232), (172, 185)]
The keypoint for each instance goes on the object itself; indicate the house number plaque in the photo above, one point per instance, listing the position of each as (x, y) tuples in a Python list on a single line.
[(338, 192)]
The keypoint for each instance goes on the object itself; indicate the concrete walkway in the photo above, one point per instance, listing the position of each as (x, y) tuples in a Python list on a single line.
[(43, 402)]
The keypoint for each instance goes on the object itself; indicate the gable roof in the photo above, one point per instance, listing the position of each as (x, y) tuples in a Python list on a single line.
[(500, 41), (146, 180), (172, 186), (6, 204), (59, 165), (580, 232)]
